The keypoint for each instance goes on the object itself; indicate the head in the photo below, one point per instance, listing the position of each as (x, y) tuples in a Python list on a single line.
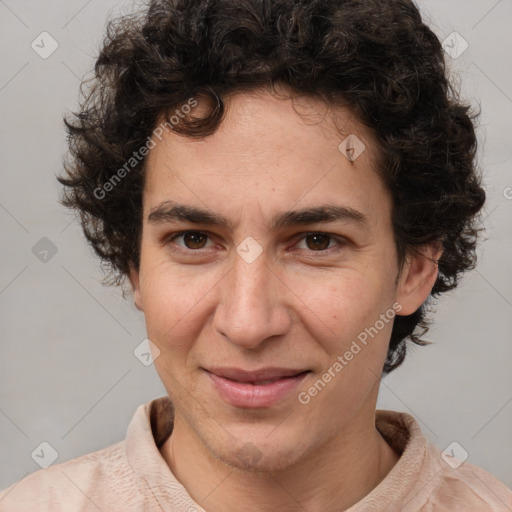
[(251, 124)]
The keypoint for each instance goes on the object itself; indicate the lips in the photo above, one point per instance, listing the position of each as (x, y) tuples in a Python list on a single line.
[(263, 376), (255, 389)]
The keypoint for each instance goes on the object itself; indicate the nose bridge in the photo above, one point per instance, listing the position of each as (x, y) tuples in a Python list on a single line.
[(252, 279), (250, 308)]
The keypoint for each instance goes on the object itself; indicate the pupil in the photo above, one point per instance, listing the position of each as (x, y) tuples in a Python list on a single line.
[(321, 245), (194, 240)]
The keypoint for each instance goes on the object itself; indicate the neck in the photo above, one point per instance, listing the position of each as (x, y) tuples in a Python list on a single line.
[(332, 478)]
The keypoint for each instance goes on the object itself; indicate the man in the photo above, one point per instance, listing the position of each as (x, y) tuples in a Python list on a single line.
[(284, 184)]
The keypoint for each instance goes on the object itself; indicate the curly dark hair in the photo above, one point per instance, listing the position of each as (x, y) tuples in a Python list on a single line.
[(375, 56)]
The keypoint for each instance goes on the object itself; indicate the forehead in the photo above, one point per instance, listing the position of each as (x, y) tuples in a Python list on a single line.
[(268, 151)]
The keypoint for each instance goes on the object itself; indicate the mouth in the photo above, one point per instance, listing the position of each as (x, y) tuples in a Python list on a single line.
[(255, 389)]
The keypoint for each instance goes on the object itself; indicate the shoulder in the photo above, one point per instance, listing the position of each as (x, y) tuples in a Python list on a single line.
[(426, 479), (85, 483), (451, 484)]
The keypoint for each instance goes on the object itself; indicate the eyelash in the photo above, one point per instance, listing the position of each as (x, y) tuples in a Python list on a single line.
[(340, 242)]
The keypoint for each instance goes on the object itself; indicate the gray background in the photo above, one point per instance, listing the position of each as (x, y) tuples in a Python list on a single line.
[(68, 373)]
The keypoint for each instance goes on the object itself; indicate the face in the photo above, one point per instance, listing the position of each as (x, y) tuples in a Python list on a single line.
[(249, 307)]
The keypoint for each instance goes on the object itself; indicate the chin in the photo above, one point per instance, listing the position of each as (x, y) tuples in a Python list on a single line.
[(259, 456)]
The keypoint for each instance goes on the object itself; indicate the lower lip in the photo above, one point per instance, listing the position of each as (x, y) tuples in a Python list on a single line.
[(240, 394)]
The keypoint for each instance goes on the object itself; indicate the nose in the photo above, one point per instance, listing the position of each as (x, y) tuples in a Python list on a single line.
[(252, 307)]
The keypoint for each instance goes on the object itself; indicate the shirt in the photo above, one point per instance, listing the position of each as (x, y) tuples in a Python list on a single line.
[(133, 476)]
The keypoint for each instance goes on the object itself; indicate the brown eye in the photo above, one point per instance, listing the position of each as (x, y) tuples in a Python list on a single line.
[(317, 241), (194, 240)]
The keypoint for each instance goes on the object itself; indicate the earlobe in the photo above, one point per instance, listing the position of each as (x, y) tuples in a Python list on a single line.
[(418, 277), (134, 281)]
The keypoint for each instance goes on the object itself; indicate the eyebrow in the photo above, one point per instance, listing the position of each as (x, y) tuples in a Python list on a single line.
[(170, 211)]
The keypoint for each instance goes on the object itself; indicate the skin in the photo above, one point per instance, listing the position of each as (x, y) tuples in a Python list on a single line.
[(294, 306)]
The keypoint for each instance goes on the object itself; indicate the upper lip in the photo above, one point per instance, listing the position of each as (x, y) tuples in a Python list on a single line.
[(255, 375)]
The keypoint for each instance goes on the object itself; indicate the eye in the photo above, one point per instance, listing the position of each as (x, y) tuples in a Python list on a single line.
[(320, 242), (316, 242), (192, 240)]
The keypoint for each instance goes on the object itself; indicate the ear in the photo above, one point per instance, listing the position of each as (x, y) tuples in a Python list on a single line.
[(418, 277), (134, 281)]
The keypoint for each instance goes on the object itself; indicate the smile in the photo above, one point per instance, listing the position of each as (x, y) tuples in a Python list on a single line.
[(258, 389)]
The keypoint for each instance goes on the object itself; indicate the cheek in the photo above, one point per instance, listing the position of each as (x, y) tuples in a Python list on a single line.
[(354, 358), (341, 304), (174, 303), (174, 316)]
